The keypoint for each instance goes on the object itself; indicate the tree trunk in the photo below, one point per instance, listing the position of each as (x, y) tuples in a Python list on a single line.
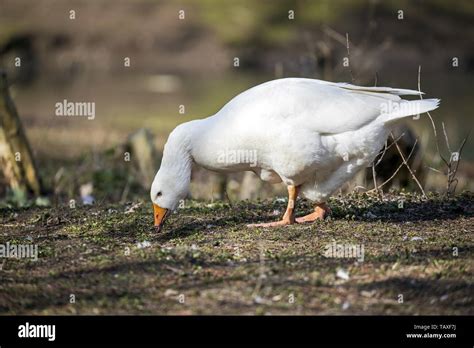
[(16, 159)]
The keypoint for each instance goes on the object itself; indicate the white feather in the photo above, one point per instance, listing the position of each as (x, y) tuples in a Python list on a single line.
[(406, 108), (305, 132)]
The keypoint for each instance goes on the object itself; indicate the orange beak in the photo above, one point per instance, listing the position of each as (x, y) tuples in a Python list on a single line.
[(160, 216)]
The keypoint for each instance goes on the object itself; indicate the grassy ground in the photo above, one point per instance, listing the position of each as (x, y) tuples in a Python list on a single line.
[(206, 261)]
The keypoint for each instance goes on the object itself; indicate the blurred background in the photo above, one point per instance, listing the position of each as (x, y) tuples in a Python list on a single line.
[(153, 64)]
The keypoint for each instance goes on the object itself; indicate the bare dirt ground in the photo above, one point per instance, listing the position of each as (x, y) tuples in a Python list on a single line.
[(107, 259)]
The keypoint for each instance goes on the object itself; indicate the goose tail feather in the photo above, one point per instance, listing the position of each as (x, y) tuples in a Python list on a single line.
[(394, 111)]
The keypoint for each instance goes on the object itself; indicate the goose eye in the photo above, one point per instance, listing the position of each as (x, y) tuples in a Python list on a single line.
[(159, 194)]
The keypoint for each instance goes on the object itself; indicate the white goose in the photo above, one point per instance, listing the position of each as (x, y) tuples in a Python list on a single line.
[(312, 135)]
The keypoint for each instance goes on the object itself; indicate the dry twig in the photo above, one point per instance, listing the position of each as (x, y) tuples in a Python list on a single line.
[(455, 157), (349, 58), (398, 169)]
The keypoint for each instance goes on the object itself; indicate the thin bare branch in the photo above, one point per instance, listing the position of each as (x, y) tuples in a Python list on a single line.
[(374, 176), (452, 170), (435, 170), (334, 35), (446, 137), (409, 168), (431, 119), (388, 147), (349, 58), (382, 153), (398, 169)]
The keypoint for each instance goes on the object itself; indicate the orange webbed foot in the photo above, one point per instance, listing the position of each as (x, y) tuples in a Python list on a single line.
[(289, 217), (320, 212), (280, 223)]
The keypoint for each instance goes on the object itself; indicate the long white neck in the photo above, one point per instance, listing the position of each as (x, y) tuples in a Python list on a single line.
[(174, 175), (177, 160)]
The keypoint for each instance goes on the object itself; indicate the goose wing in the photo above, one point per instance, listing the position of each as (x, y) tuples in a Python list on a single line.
[(325, 107)]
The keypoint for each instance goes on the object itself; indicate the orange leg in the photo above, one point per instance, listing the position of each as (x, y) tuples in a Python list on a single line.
[(320, 212), (289, 217)]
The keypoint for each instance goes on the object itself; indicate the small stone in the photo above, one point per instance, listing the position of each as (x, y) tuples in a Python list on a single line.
[(368, 293), (276, 298), (133, 208), (170, 292), (143, 245), (259, 300), (342, 274), (370, 215)]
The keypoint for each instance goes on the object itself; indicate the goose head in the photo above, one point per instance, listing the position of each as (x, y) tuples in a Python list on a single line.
[(171, 182), (166, 193)]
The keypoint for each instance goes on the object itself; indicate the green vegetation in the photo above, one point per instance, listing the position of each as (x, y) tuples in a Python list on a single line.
[(111, 259)]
